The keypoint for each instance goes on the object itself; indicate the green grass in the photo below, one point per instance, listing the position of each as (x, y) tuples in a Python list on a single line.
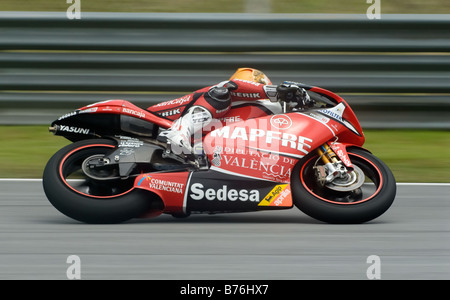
[(233, 6), (25, 150), (413, 155)]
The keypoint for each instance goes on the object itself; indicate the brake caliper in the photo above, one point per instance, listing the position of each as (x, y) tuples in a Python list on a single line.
[(335, 166)]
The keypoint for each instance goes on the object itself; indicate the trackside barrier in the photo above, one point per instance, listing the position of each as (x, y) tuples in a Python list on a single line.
[(395, 72)]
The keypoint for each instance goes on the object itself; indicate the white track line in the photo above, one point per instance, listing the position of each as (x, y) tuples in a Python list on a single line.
[(398, 183), (424, 183), (20, 179)]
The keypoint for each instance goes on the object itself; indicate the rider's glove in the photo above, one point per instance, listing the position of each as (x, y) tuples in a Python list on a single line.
[(293, 95)]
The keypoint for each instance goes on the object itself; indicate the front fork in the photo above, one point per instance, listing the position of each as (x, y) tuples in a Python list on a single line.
[(336, 163)]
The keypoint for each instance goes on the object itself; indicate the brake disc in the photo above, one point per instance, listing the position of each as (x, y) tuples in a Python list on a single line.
[(348, 183)]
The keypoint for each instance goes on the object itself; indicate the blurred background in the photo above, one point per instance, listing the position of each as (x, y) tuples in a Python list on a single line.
[(235, 6), (394, 71)]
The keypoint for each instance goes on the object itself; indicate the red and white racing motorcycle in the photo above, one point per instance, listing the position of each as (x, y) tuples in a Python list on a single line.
[(259, 157)]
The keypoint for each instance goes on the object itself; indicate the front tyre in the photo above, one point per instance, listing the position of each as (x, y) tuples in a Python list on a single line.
[(100, 197), (361, 205)]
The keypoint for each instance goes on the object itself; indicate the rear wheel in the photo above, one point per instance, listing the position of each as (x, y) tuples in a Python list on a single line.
[(339, 203), (77, 184)]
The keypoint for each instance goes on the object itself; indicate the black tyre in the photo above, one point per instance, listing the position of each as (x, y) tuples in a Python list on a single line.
[(88, 200), (361, 205)]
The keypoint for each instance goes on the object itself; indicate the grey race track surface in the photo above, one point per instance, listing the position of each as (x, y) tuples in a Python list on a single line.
[(412, 240)]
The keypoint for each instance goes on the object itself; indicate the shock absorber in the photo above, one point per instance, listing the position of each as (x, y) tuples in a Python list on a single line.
[(327, 154), (331, 168)]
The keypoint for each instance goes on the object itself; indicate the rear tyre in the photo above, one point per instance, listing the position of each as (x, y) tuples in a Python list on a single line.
[(98, 198), (360, 205)]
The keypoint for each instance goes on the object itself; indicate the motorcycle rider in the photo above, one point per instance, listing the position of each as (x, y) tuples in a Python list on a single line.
[(246, 84)]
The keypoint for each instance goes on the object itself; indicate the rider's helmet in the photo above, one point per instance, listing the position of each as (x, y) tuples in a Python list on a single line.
[(251, 75)]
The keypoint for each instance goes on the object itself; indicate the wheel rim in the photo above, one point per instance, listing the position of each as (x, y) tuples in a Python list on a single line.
[(72, 174), (99, 173), (373, 182)]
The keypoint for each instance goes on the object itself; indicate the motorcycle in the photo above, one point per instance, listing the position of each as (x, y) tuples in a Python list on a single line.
[(260, 156)]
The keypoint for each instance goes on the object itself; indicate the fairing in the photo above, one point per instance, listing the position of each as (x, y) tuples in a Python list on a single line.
[(252, 150)]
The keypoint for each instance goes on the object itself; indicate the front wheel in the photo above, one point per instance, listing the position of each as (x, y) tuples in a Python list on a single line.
[(88, 194), (364, 203)]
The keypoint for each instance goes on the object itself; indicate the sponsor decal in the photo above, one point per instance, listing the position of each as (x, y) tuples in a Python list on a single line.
[(126, 151), (265, 168), (133, 112), (68, 115), (198, 118), (335, 127), (73, 129), (320, 117), (341, 151), (89, 110), (335, 112), (246, 95), (198, 192), (178, 101), (280, 195), (230, 119), (248, 81), (253, 153), (170, 112), (215, 191), (168, 186), (128, 142), (287, 139), (219, 111), (281, 121), (163, 185), (252, 163)]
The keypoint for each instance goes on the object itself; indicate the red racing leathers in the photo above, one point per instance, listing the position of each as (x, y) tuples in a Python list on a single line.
[(237, 90), (196, 110)]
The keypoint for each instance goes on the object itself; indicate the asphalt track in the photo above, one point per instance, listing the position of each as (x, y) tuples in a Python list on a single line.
[(411, 240)]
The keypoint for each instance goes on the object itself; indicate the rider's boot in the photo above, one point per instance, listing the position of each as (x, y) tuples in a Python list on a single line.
[(178, 137)]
